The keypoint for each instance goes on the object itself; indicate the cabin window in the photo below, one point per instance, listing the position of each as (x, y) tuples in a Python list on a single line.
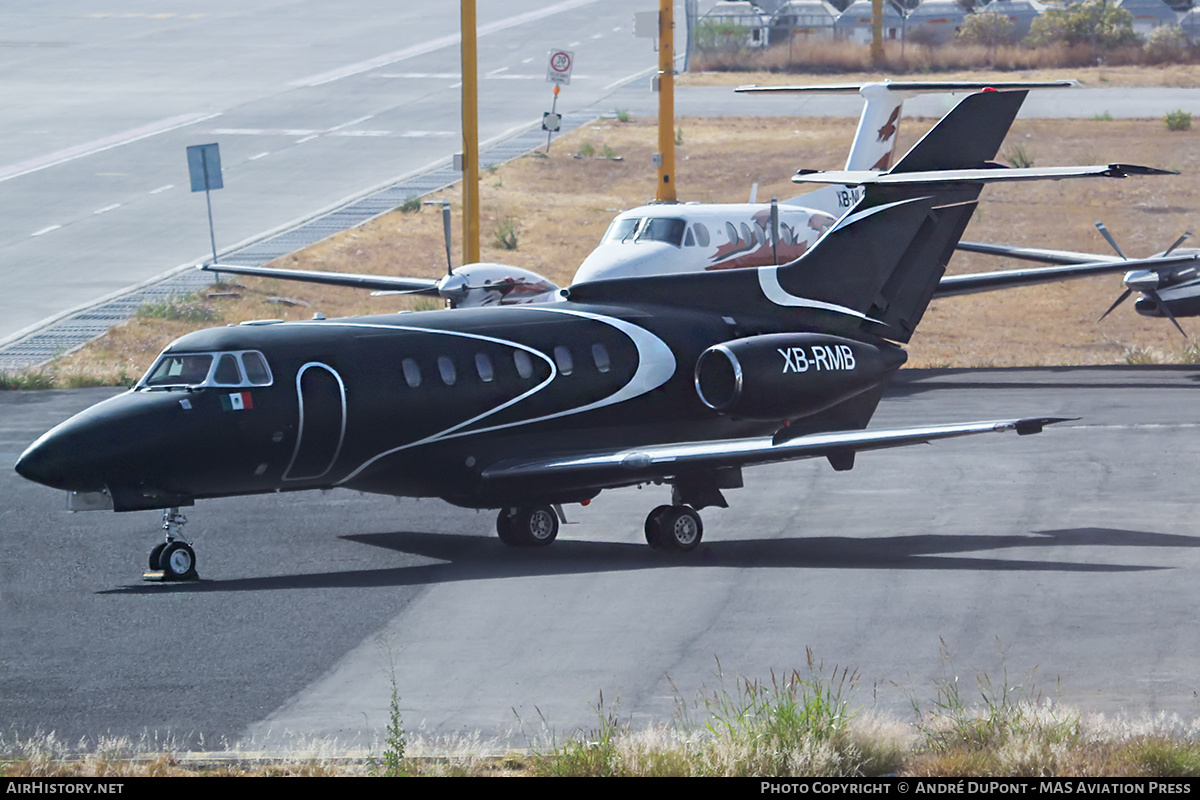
[(701, 234), (600, 356), (228, 373), (562, 357), (483, 365), (412, 372), (180, 371), (747, 235), (523, 363), (446, 368), (257, 372), (787, 235), (661, 229), (621, 230), (732, 231)]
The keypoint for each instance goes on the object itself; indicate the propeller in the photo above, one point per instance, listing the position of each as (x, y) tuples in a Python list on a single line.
[(1146, 281)]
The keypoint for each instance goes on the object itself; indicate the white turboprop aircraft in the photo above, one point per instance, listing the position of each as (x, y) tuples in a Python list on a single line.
[(664, 239)]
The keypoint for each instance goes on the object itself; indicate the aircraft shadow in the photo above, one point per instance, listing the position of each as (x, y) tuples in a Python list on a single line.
[(910, 383), (468, 558)]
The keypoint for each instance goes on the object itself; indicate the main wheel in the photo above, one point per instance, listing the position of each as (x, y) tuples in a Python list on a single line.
[(178, 562), (680, 529), (653, 526), (504, 527), (155, 555), (535, 526)]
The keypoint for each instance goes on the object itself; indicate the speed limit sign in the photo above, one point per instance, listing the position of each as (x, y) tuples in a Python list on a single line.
[(559, 68)]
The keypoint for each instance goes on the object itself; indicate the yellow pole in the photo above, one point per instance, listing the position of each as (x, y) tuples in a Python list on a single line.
[(666, 102), (470, 123), (877, 33)]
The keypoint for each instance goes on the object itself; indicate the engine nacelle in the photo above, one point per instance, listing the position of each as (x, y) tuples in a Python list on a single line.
[(788, 375)]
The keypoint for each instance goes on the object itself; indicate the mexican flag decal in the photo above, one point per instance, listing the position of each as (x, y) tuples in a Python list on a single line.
[(238, 401)]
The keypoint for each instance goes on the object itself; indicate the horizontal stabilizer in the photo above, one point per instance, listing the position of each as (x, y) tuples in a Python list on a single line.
[(915, 87), (987, 174), (637, 464)]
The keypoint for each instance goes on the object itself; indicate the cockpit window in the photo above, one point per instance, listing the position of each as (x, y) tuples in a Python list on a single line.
[(256, 368), (621, 230), (227, 372), (179, 371), (661, 229), (194, 370)]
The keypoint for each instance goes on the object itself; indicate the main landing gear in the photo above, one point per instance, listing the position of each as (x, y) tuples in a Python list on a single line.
[(675, 528), (174, 559), (527, 526)]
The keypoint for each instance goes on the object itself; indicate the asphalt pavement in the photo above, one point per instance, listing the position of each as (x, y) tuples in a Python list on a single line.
[(1066, 561)]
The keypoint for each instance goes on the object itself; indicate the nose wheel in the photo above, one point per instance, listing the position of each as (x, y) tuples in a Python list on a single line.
[(174, 559)]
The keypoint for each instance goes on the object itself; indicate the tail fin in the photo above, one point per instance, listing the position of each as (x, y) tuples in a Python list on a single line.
[(876, 270), (969, 137)]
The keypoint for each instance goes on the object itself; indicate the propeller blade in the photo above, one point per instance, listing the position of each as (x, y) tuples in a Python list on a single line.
[(1178, 242), (1124, 296), (1166, 309), (1109, 238)]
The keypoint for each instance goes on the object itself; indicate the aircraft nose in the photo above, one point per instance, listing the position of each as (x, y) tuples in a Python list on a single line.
[(57, 461)]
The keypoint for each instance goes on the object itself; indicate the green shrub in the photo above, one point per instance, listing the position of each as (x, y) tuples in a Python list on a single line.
[(987, 29), (1178, 120), (1101, 25)]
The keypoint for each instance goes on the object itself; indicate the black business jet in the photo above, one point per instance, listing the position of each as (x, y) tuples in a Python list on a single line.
[(678, 380)]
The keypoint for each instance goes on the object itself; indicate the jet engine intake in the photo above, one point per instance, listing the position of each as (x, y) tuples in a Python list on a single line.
[(790, 375)]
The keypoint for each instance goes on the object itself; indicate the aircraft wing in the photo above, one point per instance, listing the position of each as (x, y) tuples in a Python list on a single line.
[(646, 463), (355, 281), (951, 285), (1036, 254)]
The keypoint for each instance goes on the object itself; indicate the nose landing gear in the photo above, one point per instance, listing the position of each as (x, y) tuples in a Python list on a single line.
[(174, 559)]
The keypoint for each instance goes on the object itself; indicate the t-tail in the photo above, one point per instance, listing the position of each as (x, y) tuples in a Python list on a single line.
[(874, 145), (876, 270)]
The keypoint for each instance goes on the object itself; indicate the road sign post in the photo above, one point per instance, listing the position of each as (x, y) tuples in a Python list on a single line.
[(204, 169), (558, 72)]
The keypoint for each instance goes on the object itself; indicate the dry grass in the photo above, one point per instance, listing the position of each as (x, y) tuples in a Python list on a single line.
[(825, 61), (721, 158)]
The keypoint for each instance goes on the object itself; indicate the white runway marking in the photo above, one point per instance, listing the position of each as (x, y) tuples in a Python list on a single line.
[(47, 229), (436, 44), (100, 145), (106, 209)]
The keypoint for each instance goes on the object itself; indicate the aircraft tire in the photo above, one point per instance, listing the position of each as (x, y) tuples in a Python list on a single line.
[(535, 526), (653, 527), (178, 562), (504, 528), (156, 554), (681, 529)]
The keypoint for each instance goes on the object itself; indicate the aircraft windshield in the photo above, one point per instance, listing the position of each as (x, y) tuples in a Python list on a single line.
[(647, 229), (621, 230), (193, 370), (179, 371), (658, 229)]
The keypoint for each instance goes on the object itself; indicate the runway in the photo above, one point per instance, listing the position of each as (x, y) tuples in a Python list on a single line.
[(1073, 552)]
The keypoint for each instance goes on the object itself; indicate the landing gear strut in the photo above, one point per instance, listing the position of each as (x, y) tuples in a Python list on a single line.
[(527, 526), (674, 528), (174, 559)]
